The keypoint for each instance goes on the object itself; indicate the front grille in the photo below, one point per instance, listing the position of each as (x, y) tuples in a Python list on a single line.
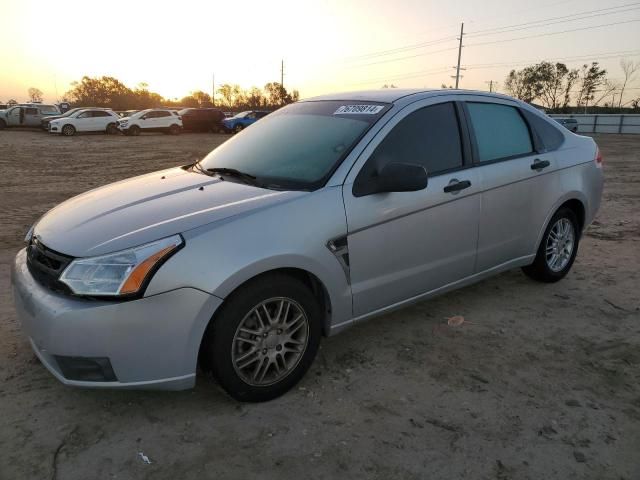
[(47, 265)]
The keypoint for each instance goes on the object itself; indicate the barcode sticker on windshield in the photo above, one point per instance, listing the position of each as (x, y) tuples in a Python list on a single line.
[(358, 110)]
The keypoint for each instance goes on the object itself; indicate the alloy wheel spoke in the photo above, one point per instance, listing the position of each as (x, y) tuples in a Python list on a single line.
[(270, 341)]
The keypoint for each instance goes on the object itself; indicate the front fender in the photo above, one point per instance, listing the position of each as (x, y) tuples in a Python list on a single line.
[(220, 257)]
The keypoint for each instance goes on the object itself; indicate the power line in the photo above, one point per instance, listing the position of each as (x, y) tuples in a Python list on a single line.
[(424, 73), (563, 19), (404, 58), (495, 31), (393, 51), (588, 56), (548, 34)]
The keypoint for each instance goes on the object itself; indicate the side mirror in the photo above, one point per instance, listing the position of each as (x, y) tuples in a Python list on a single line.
[(394, 177)]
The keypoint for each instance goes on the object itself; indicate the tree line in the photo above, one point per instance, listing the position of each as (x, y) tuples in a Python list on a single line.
[(558, 88), (111, 93)]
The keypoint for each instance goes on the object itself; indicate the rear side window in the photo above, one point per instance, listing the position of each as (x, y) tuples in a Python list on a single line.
[(500, 131), (550, 136), (48, 109), (429, 137), (100, 113), (162, 113), (31, 111)]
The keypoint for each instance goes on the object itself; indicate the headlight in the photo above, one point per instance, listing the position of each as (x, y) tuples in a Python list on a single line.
[(27, 237), (119, 273)]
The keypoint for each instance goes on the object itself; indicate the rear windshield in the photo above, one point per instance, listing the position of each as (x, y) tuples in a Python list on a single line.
[(299, 146)]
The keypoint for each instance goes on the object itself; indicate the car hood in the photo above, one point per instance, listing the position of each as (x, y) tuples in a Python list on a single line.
[(145, 208)]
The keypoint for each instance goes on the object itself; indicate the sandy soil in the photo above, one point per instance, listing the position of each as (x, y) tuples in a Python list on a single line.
[(540, 382)]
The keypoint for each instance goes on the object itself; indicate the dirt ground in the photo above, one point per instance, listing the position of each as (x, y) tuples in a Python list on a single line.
[(540, 382)]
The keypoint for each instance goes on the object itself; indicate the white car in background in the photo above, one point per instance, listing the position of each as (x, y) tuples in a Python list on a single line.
[(86, 120), (151, 120)]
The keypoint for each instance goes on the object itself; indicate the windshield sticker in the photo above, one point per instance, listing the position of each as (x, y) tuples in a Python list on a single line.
[(358, 110)]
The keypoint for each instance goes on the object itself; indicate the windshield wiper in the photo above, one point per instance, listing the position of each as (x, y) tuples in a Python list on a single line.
[(232, 172)]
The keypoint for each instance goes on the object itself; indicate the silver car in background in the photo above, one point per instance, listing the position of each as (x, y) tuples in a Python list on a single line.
[(325, 213)]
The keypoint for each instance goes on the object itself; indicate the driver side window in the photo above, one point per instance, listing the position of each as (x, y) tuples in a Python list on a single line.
[(429, 137)]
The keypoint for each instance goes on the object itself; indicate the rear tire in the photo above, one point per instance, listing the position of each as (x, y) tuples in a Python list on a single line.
[(174, 130), (259, 356), (557, 250), (68, 130), (112, 129)]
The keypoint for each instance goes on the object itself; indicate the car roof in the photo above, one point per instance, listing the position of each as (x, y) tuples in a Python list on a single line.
[(392, 95)]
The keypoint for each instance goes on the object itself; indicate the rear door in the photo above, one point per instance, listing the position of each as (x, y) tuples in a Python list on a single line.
[(515, 173), (32, 117), (403, 244), (15, 116), (162, 119), (101, 118)]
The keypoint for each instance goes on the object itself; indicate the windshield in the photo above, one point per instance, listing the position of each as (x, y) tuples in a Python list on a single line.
[(299, 146), (68, 113), (241, 115)]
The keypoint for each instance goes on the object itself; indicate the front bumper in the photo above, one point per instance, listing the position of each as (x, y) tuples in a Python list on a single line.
[(150, 343)]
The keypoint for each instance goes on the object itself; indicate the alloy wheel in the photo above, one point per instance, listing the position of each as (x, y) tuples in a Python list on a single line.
[(270, 341), (560, 244)]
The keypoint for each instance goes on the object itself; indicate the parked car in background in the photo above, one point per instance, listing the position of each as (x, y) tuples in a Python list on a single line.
[(568, 123), (151, 120), (202, 119), (45, 121), (26, 115), (245, 259), (85, 120), (242, 120)]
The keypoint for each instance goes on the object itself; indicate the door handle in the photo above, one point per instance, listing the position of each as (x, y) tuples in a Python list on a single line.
[(540, 164), (456, 186)]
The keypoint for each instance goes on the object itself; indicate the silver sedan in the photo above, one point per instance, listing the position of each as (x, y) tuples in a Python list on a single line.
[(323, 214)]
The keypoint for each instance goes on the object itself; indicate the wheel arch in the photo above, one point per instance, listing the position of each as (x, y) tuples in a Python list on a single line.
[(304, 275), (576, 201), (309, 279)]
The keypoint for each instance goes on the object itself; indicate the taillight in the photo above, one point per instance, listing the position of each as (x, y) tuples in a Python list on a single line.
[(598, 158)]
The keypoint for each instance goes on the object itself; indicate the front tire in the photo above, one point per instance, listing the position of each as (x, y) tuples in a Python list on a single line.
[(68, 130), (264, 339), (238, 128), (134, 130), (558, 248)]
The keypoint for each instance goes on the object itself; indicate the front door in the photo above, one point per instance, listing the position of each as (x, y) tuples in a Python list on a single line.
[(404, 244), (15, 116)]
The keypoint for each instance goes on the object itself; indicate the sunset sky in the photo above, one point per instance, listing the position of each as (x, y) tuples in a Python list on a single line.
[(327, 45)]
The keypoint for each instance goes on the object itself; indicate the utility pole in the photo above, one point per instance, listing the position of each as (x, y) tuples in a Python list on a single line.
[(490, 83), (213, 89), (282, 73), (457, 67)]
